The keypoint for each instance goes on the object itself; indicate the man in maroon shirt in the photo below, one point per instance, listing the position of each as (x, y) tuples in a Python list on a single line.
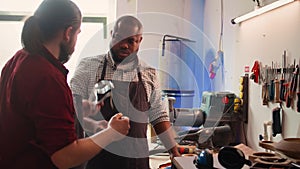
[(36, 106)]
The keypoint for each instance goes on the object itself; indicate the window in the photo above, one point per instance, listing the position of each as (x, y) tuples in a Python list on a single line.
[(95, 14)]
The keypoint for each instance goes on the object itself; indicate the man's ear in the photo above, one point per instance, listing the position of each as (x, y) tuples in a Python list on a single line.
[(68, 33), (141, 38)]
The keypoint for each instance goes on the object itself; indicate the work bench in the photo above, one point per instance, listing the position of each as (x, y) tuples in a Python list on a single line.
[(186, 162)]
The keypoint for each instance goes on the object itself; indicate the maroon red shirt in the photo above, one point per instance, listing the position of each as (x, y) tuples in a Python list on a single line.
[(36, 111)]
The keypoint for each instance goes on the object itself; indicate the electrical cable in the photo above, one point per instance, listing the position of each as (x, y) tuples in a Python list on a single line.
[(222, 27), (219, 58), (221, 39)]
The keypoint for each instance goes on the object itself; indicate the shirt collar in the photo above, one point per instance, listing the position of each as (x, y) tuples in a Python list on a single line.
[(55, 62), (110, 59), (126, 65)]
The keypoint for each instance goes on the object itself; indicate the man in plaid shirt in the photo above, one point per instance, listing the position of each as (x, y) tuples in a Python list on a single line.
[(137, 94)]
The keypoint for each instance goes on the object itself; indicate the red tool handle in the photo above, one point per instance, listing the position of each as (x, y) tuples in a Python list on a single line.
[(186, 149)]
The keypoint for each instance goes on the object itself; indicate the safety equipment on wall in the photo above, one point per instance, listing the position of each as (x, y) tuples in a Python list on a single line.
[(256, 71), (237, 104), (244, 94)]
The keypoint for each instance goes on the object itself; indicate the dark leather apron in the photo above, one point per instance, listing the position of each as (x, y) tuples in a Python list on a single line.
[(130, 98)]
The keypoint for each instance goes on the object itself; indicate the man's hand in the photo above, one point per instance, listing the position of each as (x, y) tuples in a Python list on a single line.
[(117, 129), (100, 125), (94, 126), (174, 152), (119, 125), (89, 108)]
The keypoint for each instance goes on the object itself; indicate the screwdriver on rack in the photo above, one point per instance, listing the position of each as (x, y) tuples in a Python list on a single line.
[(282, 80)]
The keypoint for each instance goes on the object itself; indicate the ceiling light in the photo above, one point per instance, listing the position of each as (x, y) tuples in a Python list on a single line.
[(260, 11)]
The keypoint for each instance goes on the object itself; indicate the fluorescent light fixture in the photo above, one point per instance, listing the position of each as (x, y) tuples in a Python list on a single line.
[(260, 11)]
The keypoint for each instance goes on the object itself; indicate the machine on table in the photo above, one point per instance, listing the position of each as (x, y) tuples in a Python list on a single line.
[(215, 124)]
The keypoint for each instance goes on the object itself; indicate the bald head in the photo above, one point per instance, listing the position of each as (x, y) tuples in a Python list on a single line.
[(126, 38), (128, 26)]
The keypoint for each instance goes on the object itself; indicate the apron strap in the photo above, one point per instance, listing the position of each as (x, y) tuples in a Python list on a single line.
[(139, 74), (103, 72), (104, 69)]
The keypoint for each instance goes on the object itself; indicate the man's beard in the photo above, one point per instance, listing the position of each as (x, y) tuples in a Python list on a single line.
[(65, 53), (116, 58), (125, 59)]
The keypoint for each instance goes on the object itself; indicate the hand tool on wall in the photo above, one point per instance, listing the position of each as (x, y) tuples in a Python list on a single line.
[(276, 92), (261, 73), (282, 81), (287, 84), (293, 87), (298, 93), (276, 84), (256, 72), (271, 86), (172, 38), (298, 102), (265, 93)]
